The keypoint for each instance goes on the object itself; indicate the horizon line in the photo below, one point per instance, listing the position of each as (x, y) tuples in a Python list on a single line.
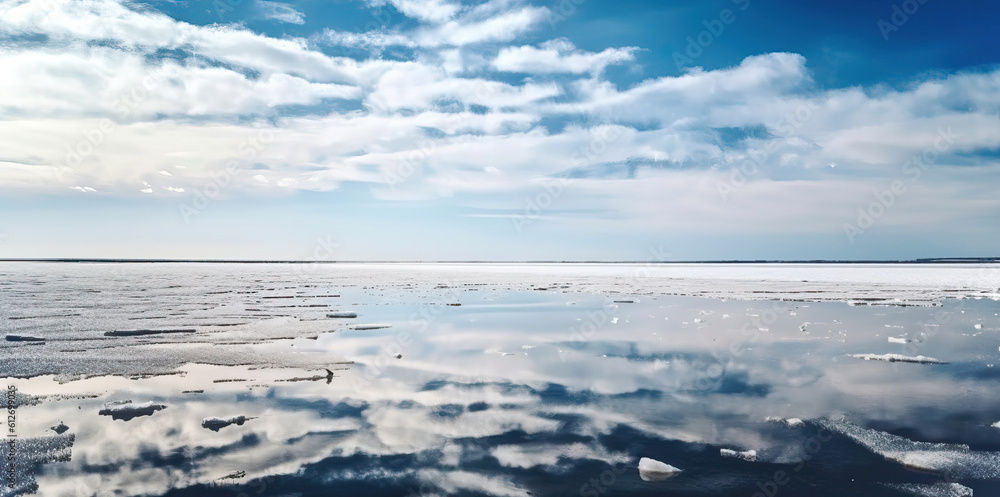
[(936, 260)]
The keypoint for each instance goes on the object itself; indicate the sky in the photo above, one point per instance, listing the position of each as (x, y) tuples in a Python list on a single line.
[(499, 129)]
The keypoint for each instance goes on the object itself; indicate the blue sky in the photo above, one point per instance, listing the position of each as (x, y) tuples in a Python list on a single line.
[(499, 130)]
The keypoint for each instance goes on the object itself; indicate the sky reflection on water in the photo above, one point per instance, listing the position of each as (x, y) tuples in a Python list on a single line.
[(557, 393)]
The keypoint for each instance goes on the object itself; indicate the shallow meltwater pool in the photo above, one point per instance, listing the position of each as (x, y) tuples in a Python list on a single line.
[(177, 381)]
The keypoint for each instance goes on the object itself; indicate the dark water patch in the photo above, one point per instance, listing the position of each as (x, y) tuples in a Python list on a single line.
[(450, 411), (137, 333), (44, 316)]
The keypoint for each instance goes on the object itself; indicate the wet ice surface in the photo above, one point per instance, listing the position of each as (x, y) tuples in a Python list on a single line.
[(500, 382)]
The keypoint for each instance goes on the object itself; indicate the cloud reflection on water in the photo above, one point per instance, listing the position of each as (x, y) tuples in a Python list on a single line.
[(457, 416)]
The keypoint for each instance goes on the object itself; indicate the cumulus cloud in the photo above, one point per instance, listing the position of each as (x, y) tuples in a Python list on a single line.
[(558, 56), (494, 21), (435, 11), (95, 103)]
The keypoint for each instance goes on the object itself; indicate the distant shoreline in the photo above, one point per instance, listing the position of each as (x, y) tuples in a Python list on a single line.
[(950, 260)]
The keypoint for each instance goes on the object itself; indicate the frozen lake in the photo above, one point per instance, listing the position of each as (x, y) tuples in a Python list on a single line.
[(499, 379)]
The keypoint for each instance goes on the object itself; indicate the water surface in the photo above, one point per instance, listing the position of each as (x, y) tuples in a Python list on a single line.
[(483, 388)]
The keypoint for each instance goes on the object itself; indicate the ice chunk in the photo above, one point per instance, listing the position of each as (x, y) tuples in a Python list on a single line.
[(955, 460), (978, 326), (379, 326), (342, 315), (235, 475), (898, 340), (23, 458), (653, 470), (747, 455), (996, 425), (898, 358), (128, 410), (216, 424)]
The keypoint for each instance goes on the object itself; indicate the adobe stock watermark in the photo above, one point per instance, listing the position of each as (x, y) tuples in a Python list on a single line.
[(562, 10), (806, 452), (46, 8), (247, 150), (553, 188), (786, 127), (711, 375), (885, 199), (223, 7), (929, 329), (413, 162), (392, 350), (900, 15), (416, 158), (323, 252), (599, 318), (714, 28), (93, 138), (604, 481), (912, 346)]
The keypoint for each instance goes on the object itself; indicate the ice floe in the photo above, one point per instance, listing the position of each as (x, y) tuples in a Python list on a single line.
[(954, 460), (342, 315), (376, 326), (899, 340), (653, 470), (235, 475), (216, 424), (127, 410), (940, 489), (898, 358), (28, 455)]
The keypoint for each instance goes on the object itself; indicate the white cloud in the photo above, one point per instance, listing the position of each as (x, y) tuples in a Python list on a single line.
[(559, 56), (419, 86), (108, 20), (503, 27), (489, 22), (435, 11), (280, 12), (454, 481), (528, 456), (443, 123)]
